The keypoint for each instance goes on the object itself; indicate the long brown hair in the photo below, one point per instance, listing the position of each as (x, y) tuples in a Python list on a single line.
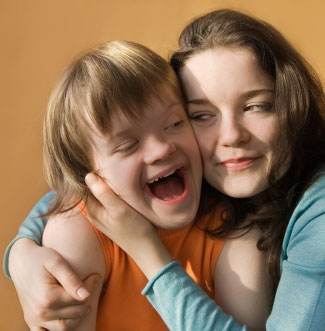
[(300, 106)]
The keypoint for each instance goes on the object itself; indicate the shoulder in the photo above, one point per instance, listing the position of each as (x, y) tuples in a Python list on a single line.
[(71, 235), (241, 255), (240, 280), (304, 237)]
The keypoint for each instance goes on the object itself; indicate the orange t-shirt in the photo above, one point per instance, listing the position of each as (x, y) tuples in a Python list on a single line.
[(122, 307)]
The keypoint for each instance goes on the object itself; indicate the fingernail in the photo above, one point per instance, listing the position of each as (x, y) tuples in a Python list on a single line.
[(83, 293), (90, 179)]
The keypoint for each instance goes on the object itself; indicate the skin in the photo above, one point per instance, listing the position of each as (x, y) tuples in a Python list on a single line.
[(160, 143), (228, 125), (229, 101), (145, 150)]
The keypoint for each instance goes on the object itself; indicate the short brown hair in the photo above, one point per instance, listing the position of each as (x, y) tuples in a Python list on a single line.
[(118, 76)]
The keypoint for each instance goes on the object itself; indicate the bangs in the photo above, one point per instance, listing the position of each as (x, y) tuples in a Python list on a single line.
[(124, 78)]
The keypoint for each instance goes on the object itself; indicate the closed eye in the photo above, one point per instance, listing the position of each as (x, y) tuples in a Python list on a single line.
[(127, 147), (175, 124)]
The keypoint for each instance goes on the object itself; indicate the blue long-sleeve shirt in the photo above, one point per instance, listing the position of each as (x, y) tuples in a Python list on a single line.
[(300, 297)]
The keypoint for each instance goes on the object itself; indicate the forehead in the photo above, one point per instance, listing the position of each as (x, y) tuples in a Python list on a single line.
[(154, 110), (223, 70)]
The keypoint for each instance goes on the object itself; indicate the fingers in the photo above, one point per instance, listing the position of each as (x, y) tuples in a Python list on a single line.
[(70, 312), (100, 190), (36, 328), (69, 280), (60, 311), (57, 325)]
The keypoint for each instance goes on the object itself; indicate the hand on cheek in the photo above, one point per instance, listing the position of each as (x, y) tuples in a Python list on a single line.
[(126, 227)]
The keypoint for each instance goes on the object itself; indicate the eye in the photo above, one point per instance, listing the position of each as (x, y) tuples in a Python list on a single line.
[(200, 117), (127, 147), (175, 124), (259, 107)]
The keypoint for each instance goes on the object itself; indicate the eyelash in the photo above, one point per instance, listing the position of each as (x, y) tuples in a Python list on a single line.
[(128, 148), (175, 124), (263, 106), (200, 117)]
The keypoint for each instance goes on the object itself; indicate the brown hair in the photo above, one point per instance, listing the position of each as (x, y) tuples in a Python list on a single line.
[(117, 76), (300, 106)]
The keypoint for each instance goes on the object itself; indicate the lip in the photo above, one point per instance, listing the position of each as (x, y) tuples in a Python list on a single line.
[(164, 172), (180, 199), (238, 164)]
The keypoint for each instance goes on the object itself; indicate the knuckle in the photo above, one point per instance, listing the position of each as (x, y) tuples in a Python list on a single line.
[(40, 312), (80, 310), (67, 324), (55, 262), (71, 280), (119, 212), (46, 302), (35, 313)]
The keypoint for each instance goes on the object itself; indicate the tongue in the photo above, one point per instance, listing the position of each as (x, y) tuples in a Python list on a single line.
[(167, 188)]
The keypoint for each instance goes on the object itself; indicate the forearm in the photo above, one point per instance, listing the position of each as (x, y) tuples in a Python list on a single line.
[(32, 227), (183, 305), (148, 252)]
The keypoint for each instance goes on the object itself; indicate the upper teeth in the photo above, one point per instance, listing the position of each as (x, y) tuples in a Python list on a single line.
[(158, 178)]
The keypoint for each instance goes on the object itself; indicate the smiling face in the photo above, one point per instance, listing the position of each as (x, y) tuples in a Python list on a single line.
[(230, 102), (154, 163)]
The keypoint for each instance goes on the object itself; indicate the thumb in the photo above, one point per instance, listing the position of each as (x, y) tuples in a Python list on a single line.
[(102, 192), (91, 282), (68, 279)]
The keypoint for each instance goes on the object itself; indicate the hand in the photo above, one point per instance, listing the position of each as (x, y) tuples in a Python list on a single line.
[(51, 295), (126, 227)]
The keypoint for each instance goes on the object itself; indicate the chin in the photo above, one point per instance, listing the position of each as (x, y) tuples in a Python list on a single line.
[(243, 191), (175, 221)]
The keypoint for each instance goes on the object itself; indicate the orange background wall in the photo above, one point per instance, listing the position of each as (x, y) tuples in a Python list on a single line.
[(39, 37)]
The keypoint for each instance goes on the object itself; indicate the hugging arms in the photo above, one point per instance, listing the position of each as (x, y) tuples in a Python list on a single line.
[(244, 135)]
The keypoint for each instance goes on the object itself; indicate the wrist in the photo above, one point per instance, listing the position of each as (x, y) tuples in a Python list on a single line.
[(151, 256)]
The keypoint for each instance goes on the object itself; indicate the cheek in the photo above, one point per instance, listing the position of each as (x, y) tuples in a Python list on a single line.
[(267, 134), (113, 171), (192, 146), (205, 138)]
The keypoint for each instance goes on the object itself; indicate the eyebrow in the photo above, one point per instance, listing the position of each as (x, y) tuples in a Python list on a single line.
[(248, 94)]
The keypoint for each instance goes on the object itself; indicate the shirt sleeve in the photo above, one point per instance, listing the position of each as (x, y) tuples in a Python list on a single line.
[(183, 305), (300, 298), (32, 227)]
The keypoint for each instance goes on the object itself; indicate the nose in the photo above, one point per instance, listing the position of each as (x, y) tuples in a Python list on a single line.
[(233, 132), (158, 149)]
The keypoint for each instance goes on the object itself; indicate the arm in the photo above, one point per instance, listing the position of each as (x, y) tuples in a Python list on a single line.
[(169, 285), (49, 291), (299, 303), (300, 298), (32, 227), (71, 235)]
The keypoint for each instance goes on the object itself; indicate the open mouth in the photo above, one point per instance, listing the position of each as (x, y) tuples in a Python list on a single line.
[(168, 187)]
